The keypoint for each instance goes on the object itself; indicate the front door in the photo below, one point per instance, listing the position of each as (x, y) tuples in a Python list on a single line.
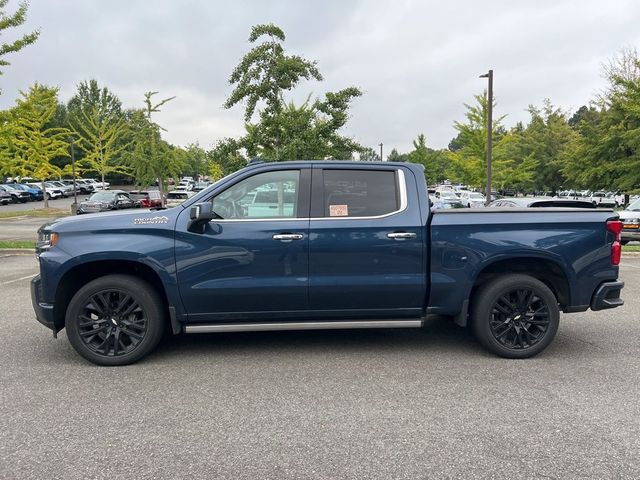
[(252, 263)]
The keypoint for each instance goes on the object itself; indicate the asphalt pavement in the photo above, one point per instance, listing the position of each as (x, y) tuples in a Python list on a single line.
[(385, 404)]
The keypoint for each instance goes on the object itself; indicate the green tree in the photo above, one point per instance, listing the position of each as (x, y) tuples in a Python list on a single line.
[(283, 130), (31, 143), (549, 142), (195, 159), (151, 158), (95, 115), (609, 150), (215, 171), (265, 72), (434, 161), (228, 153), (467, 163), (309, 131), (394, 156), (16, 19)]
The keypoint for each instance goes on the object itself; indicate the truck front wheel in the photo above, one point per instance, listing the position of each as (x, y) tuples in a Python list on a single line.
[(115, 320), (515, 316)]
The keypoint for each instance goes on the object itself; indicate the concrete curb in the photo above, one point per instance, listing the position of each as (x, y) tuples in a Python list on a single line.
[(17, 251)]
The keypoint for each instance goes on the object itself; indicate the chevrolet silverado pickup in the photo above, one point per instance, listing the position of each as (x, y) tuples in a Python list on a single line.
[(321, 245)]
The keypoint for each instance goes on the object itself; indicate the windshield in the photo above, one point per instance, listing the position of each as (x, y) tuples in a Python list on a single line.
[(635, 206), (101, 197), (448, 195), (476, 196)]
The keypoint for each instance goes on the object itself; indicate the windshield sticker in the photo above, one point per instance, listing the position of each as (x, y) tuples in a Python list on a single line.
[(338, 211), (150, 220)]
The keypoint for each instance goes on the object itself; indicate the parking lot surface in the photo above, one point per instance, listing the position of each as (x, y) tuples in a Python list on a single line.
[(386, 404)]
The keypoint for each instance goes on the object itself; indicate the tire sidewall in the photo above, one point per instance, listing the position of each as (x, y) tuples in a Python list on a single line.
[(483, 306), (146, 297)]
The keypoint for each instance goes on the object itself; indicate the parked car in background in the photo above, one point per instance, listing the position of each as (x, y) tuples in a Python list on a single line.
[(146, 198), (67, 190), (445, 204), (471, 199), (600, 199), (446, 194), (83, 187), (98, 185), (630, 217), (201, 186), (534, 202), (103, 201), (35, 194), (176, 197), (17, 196), (186, 185), (5, 197), (50, 191)]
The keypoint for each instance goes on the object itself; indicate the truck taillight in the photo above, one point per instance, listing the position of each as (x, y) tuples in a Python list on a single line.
[(615, 227)]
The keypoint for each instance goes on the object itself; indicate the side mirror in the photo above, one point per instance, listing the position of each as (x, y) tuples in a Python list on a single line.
[(200, 215)]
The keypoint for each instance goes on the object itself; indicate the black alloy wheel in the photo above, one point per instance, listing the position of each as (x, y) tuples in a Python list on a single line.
[(112, 323), (115, 320), (519, 319), (515, 316)]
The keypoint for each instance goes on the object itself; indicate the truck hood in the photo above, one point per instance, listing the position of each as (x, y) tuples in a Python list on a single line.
[(109, 221)]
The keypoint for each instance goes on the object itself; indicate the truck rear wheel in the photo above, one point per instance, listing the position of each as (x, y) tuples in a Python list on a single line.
[(515, 316), (115, 320)]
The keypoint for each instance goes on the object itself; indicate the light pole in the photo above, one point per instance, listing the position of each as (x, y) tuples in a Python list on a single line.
[(489, 76), (73, 175), (381, 159)]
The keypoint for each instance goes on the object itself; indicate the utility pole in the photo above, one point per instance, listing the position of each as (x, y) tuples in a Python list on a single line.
[(489, 76), (381, 158), (73, 175)]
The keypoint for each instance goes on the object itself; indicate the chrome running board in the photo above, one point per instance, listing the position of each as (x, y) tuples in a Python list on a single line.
[(265, 327)]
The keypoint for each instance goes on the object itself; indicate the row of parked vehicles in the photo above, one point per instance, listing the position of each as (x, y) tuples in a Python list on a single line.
[(29, 190)]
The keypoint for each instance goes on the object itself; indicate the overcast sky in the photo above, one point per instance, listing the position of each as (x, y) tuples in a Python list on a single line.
[(417, 62)]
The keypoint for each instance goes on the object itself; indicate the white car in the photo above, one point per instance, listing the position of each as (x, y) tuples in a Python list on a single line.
[(472, 199), (50, 191), (177, 196), (98, 185), (600, 199), (630, 217)]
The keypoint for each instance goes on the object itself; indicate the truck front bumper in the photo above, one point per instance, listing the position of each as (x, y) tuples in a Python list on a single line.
[(44, 311), (607, 295)]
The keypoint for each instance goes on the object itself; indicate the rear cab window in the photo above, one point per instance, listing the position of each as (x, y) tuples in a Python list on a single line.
[(360, 193)]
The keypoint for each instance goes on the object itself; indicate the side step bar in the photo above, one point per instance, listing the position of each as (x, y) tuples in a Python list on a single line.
[(265, 327)]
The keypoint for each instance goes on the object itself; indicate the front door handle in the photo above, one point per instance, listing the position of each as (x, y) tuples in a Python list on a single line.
[(288, 237), (401, 235)]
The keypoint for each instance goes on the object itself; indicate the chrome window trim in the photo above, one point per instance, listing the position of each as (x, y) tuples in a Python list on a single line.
[(401, 183)]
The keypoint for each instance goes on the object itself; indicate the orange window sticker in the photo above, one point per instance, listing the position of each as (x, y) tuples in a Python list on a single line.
[(338, 210)]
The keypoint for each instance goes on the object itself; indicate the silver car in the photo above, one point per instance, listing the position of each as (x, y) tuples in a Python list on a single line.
[(630, 217)]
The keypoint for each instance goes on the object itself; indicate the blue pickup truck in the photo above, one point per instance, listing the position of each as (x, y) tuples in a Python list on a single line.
[(321, 245)]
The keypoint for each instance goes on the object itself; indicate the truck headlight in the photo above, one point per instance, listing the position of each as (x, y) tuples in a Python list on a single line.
[(46, 239)]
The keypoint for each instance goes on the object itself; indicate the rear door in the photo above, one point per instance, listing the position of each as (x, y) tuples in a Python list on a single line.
[(366, 243)]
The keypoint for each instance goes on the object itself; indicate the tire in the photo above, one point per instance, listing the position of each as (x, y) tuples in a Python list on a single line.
[(48, 195), (515, 316), (123, 320)]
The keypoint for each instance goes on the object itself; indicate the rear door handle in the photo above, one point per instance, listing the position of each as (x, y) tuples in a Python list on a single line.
[(401, 235), (288, 237)]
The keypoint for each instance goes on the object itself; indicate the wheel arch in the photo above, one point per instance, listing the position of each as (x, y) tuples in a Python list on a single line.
[(548, 271), (79, 275)]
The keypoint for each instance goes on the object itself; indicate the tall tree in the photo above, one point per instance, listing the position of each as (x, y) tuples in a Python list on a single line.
[(434, 161), (33, 145), (467, 163), (151, 158), (265, 72), (7, 21), (95, 115), (228, 153)]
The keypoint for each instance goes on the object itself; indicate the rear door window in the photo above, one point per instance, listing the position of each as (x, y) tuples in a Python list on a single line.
[(360, 193)]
